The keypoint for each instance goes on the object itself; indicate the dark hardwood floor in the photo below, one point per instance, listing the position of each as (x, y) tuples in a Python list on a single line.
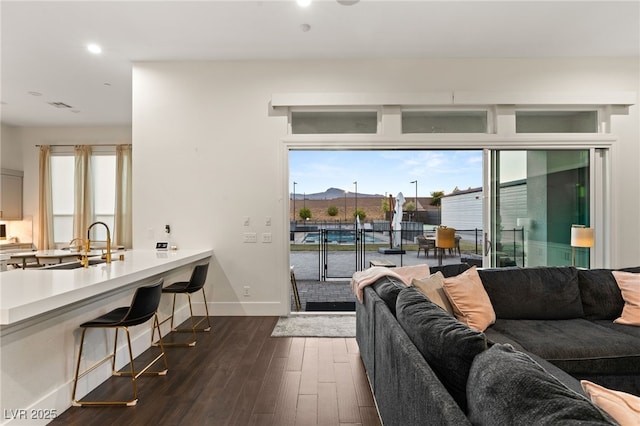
[(238, 375)]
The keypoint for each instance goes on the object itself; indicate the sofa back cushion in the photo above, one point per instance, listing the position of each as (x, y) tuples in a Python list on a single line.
[(542, 293), (507, 387), (600, 294), (450, 270), (446, 344), (388, 289)]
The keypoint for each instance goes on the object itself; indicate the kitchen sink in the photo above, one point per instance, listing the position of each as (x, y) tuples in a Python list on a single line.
[(73, 265)]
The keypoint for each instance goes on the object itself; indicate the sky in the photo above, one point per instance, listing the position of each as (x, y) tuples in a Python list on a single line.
[(385, 172)]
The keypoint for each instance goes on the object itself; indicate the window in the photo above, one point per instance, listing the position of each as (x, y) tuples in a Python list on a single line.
[(556, 121), (334, 122), (444, 122), (103, 168)]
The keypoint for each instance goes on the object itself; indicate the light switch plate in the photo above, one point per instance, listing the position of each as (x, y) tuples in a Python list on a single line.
[(266, 237), (250, 237)]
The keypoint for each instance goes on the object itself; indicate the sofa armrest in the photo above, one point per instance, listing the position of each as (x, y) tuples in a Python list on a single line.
[(408, 392)]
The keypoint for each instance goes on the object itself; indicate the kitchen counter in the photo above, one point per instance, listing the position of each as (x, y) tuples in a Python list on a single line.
[(40, 314), (31, 292)]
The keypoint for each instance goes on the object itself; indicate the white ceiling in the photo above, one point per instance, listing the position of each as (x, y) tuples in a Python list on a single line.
[(44, 43)]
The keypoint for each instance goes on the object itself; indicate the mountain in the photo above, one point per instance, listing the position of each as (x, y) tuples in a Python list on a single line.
[(332, 194)]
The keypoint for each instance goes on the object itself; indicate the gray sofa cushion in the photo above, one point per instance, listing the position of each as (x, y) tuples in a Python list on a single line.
[(600, 294), (507, 387), (543, 293), (448, 345), (450, 270), (577, 346), (388, 289)]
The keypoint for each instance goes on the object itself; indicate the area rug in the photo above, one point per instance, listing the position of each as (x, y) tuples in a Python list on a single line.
[(330, 306), (316, 326)]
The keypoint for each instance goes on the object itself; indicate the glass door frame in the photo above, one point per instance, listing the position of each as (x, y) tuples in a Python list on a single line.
[(599, 198)]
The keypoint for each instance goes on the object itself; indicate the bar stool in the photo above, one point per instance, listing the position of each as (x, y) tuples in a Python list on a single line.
[(143, 307), (195, 283)]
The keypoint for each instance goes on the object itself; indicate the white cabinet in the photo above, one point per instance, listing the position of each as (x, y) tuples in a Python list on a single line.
[(11, 195)]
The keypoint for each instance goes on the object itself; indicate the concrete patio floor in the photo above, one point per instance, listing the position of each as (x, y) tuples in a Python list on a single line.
[(341, 265)]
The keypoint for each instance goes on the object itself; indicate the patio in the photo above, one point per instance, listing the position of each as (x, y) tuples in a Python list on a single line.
[(342, 265)]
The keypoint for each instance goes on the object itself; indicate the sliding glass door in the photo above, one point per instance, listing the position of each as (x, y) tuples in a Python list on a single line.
[(534, 198)]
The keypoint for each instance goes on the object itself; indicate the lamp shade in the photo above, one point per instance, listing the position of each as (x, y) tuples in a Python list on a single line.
[(445, 237), (581, 237), (3, 231)]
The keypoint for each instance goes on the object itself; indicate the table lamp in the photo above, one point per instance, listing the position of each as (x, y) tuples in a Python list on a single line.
[(445, 239), (581, 236)]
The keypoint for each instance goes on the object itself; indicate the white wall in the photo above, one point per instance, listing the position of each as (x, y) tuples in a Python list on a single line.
[(207, 153)]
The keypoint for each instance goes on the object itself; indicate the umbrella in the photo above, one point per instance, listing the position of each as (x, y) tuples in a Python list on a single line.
[(396, 224)]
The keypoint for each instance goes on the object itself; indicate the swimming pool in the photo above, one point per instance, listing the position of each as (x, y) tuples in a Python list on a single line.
[(338, 236)]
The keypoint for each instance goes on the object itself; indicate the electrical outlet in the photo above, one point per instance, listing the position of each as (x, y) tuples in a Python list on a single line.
[(247, 291), (266, 237)]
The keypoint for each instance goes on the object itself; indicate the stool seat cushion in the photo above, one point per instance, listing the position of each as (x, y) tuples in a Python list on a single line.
[(180, 287), (112, 318)]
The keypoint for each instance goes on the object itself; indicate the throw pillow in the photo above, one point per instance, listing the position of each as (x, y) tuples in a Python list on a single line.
[(629, 284), (623, 407), (408, 273), (432, 288), (471, 304), (507, 387), (445, 343)]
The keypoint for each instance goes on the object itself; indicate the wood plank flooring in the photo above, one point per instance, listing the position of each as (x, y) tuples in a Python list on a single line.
[(238, 375)]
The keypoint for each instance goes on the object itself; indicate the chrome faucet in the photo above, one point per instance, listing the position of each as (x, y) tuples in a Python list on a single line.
[(85, 260)]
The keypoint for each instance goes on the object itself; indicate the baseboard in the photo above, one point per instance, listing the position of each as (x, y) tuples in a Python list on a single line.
[(248, 309)]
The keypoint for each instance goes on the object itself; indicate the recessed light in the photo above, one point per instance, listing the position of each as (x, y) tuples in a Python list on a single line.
[(305, 27), (348, 2), (75, 111), (107, 84), (303, 3), (94, 48), (32, 93)]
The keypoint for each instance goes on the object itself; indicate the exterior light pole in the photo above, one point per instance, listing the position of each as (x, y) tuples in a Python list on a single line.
[(294, 201), (356, 184), (345, 206), (416, 182)]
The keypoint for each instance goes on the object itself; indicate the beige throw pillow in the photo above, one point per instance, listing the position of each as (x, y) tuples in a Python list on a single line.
[(629, 284), (431, 287), (470, 301), (623, 407)]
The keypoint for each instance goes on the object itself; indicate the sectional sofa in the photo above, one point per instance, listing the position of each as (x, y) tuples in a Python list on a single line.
[(553, 327)]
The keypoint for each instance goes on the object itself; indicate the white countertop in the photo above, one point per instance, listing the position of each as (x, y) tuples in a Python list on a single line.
[(28, 293)]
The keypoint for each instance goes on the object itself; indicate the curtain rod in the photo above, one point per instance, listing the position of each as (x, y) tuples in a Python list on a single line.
[(76, 144)]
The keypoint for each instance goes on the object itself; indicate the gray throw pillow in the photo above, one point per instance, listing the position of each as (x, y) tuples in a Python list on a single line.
[(447, 345), (507, 387)]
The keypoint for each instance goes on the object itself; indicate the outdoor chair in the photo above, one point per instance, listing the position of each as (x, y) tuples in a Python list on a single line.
[(425, 244)]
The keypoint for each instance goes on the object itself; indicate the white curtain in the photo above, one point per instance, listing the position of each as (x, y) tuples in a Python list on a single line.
[(123, 210), (45, 200), (83, 200)]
